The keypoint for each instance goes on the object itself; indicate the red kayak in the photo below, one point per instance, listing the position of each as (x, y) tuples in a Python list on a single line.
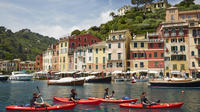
[(157, 106), (81, 101), (112, 100), (55, 107)]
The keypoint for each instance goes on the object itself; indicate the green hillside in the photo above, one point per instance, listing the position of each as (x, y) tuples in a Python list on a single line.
[(23, 44), (137, 21)]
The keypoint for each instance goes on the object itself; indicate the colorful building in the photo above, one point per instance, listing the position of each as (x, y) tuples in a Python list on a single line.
[(80, 59), (27, 66), (118, 50), (179, 33), (67, 46), (47, 59), (55, 58), (39, 63)]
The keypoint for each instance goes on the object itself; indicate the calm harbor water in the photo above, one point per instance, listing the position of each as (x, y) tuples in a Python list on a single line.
[(17, 92)]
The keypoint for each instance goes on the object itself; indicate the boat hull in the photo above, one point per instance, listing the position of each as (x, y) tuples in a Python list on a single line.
[(72, 83), (100, 80), (55, 107), (112, 100), (81, 101), (21, 78), (194, 83), (4, 78), (158, 106)]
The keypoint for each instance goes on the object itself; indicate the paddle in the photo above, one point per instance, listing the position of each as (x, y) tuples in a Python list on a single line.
[(40, 94)]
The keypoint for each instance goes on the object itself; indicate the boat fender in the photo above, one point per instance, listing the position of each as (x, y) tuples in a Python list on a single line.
[(126, 98)]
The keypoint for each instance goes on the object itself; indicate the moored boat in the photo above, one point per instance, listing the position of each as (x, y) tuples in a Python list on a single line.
[(3, 77), (175, 83), (20, 76), (67, 81), (100, 80), (157, 106), (55, 107)]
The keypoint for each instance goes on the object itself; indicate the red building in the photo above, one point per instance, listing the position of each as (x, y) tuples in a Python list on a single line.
[(155, 53), (27, 66), (39, 63), (55, 58)]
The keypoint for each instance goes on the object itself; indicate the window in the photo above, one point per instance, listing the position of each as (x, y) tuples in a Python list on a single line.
[(73, 44), (104, 60), (198, 31), (199, 63), (109, 46), (151, 45), (79, 45), (119, 45), (182, 66), (96, 59), (109, 56), (63, 59), (198, 15), (75, 66), (85, 40), (174, 48), (97, 50), (90, 67), (142, 45), (90, 58), (193, 64), (104, 66), (135, 65), (120, 37), (172, 17), (75, 60), (135, 45), (104, 50), (173, 32), (119, 56), (192, 53), (159, 45), (113, 37), (89, 50), (150, 55), (162, 55), (141, 64), (83, 59), (182, 48), (96, 66), (174, 66), (194, 33), (79, 39), (155, 64), (183, 17), (83, 53), (155, 54), (167, 40), (61, 45), (181, 31), (189, 17)]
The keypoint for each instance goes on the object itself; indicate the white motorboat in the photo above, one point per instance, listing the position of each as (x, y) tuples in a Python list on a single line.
[(20, 76)]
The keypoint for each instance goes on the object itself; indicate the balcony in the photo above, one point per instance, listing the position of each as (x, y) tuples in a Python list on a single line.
[(156, 40)]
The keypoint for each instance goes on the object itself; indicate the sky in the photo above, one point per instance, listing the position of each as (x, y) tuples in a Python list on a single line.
[(58, 18)]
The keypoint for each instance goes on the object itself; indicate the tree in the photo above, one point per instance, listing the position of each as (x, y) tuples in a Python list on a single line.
[(112, 14), (76, 32), (137, 2), (187, 3)]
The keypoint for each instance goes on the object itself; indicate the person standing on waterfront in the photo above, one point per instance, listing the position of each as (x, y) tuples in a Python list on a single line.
[(33, 101)]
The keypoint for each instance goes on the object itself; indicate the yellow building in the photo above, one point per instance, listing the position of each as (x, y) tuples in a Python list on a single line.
[(138, 60), (63, 54), (99, 54)]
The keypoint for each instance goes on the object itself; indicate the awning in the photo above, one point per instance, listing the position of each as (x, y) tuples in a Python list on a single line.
[(131, 72), (86, 72), (153, 72), (142, 70), (68, 72), (95, 73), (117, 72), (79, 73), (175, 72), (41, 72), (198, 70)]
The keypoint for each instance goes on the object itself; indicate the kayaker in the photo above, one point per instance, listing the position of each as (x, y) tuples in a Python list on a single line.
[(145, 101), (106, 94), (33, 101), (73, 95)]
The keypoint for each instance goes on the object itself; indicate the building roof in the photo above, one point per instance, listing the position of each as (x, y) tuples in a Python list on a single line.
[(189, 12)]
